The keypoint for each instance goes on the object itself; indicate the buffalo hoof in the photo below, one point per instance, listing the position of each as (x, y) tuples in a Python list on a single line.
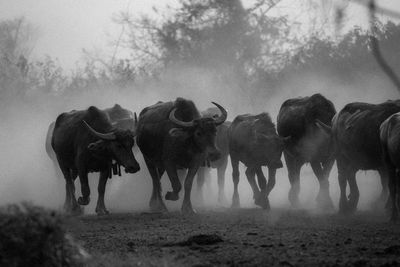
[(394, 216), (352, 205), (74, 210), (158, 206), (67, 207), (262, 202), (388, 205), (172, 196), (102, 211), (83, 201), (235, 202), (381, 204), (294, 201), (346, 209), (343, 208), (347, 212), (200, 199), (325, 203), (222, 200), (188, 210)]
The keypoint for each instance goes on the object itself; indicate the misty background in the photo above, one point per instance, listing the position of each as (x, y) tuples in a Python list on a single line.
[(249, 56)]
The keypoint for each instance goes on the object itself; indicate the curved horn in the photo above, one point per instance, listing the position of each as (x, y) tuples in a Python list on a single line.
[(326, 128), (179, 122), (224, 114), (136, 124), (104, 136), (136, 120)]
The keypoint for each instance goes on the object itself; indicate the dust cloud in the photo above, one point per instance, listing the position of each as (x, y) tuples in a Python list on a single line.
[(27, 173)]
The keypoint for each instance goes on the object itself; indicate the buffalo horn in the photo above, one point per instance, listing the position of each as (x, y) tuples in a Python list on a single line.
[(224, 114), (179, 122), (136, 124), (104, 136), (136, 120), (323, 126)]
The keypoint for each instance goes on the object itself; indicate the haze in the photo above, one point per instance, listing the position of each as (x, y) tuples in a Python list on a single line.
[(67, 26)]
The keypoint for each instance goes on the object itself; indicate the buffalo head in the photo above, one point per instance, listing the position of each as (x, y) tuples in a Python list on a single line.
[(202, 130), (118, 144)]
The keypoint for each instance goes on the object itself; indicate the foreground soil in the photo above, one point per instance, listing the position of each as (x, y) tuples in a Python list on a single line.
[(243, 237)]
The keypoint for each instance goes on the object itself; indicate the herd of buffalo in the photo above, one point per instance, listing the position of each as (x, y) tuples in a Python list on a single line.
[(175, 135)]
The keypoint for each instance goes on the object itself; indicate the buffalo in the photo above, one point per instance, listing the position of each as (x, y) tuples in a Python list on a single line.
[(121, 118), (306, 122), (221, 163), (173, 135), (355, 130), (86, 141), (390, 142), (253, 141)]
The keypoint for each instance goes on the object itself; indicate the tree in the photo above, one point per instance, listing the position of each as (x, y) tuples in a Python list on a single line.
[(16, 43), (220, 36)]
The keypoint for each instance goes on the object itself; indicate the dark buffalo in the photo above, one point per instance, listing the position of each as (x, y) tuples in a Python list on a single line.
[(390, 141), (355, 131), (173, 135), (120, 118), (220, 164), (81, 149), (307, 121), (253, 141)]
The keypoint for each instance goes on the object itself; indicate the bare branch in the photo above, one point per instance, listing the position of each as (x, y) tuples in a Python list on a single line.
[(376, 49), (380, 10)]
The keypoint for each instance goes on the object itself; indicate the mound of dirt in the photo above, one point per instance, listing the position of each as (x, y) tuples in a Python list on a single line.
[(33, 236), (201, 240)]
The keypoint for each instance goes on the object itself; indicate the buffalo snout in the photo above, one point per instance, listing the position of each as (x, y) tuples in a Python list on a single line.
[(214, 155), (277, 164), (133, 168)]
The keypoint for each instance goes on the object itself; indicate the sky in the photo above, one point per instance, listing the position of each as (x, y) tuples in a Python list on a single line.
[(65, 27)]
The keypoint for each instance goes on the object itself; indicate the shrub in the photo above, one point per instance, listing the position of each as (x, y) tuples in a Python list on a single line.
[(33, 236)]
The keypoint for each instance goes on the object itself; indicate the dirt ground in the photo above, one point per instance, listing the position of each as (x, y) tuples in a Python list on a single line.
[(241, 237)]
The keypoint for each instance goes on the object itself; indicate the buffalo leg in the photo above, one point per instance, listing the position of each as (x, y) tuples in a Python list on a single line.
[(342, 179), (76, 209), (68, 182), (68, 179), (201, 173), (175, 182), (70, 204), (187, 204), (354, 192), (294, 167), (221, 181), (258, 197), (67, 203), (323, 198), (271, 180), (156, 201), (100, 207), (262, 199), (393, 188), (235, 178), (85, 190), (383, 198)]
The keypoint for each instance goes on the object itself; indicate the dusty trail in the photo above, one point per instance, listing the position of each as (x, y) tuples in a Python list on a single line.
[(249, 237)]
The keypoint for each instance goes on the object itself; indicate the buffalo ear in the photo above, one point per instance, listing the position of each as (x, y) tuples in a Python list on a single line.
[(323, 127), (97, 146)]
